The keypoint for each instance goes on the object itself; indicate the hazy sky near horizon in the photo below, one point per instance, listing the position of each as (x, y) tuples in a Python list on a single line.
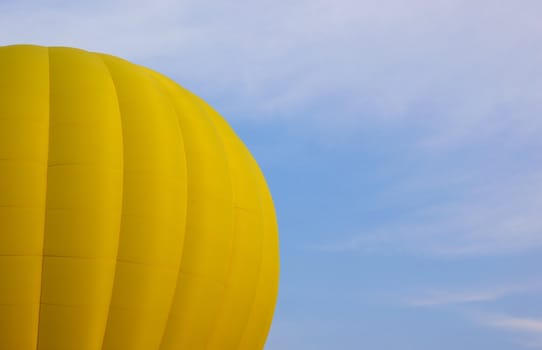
[(401, 141)]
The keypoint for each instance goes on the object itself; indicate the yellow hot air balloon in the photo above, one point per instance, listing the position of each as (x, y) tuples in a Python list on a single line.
[(131, 215)]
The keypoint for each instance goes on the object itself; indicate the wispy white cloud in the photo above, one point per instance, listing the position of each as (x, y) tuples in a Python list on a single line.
[(438, 298), (459, 69), (528, 329), (129, 28), (500, 216), (528, 325)]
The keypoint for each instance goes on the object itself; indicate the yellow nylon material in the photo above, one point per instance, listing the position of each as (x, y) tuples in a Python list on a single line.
[(261, 314), (24, 139), (153, 215), (246, 260), (209, 229), (84, 197), (131, 215)]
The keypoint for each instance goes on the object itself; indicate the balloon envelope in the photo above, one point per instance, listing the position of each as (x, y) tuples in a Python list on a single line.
[(131, 215)]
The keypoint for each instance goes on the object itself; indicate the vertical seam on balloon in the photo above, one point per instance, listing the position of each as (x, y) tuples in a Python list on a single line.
[(169, 88), (46, 191), (203, 111), (271, 308), (266, 313), (257, 289), (100, 58), (167, 96), (227, 285), (247, 156)]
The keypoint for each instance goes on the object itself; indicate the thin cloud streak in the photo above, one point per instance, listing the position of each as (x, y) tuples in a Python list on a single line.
[(451, 297), (501, 217), (460, 70), (528, 325), (528, 329), (445, 298)]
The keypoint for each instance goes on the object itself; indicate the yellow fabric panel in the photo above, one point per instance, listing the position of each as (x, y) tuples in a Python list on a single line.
[(24, 133), (259, 323), (84, 197), (209, 228), (247, 249), (131, 215), (154, 211)]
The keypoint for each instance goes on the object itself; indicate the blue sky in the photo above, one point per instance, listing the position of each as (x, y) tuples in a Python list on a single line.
[(401, 141)]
